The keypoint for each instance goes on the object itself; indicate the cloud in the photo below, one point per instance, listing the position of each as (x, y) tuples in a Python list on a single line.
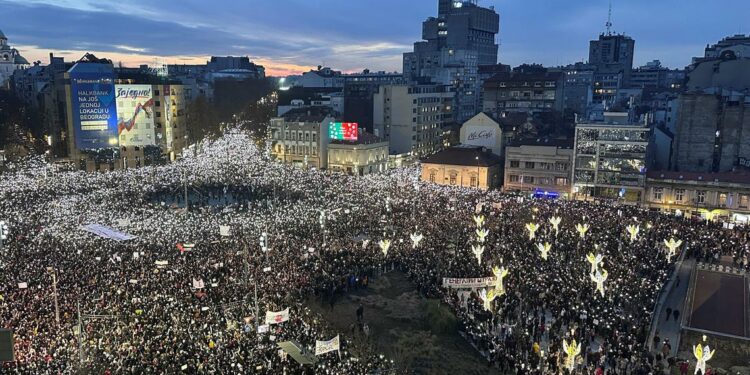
[(131, 49)]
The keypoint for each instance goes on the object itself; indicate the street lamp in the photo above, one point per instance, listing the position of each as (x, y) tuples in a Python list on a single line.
[(53, 273), (3, 233)]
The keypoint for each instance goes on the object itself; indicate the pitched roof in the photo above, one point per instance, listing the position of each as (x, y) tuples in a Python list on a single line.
[(473, 156)]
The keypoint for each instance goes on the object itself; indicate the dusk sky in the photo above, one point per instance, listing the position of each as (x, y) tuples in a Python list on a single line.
[(291, 36)]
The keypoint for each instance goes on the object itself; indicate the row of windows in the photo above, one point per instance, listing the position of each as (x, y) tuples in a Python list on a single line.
[(540, 165), (535, 84), (296, 150), (543, 181), (700, 197)]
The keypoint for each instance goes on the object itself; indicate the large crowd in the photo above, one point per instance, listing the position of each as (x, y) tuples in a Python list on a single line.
[(322, 231)]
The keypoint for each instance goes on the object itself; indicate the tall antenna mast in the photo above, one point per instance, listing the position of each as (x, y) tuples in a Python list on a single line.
[(609, 19)]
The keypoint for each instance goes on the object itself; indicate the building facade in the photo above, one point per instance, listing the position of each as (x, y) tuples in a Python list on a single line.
[(411, 117), (454, 45), (711, 132), (724, 196), (484, 131), (526, 92), (10, 61), (367, 155), (300, 137), (610, 159), (545, 167), (466, 166)]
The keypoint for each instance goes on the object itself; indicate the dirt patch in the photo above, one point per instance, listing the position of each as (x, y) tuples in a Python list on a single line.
[(394, 313)]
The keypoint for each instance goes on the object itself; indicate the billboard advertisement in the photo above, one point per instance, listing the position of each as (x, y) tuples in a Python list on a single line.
[(93, 107), (135, 115), (483, 136), (343, 131)]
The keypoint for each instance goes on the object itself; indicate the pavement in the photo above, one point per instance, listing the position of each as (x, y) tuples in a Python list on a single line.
[(670, 328)]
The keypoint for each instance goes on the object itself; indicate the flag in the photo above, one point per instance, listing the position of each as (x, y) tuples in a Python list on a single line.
[(322, 347), (183, 247), (198, 284), (277, 317)]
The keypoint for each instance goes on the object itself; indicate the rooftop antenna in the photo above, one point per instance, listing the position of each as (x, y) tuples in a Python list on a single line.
[(609, 19)]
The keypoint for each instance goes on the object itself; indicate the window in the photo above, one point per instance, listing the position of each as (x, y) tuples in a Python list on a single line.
[(157, 103), (658, 193), (722, 199), (744, 201), (473, 181), (432, 176), (453, 179), (561, 181), (156, 93), (529, 165), (679, 195), (700, 196), (514, 164), (528, 179), (514, 178)]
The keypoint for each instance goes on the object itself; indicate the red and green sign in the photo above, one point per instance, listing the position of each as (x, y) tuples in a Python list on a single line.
[(343, 131)]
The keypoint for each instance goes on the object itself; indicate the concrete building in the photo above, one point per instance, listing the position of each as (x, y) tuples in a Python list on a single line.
[(612, 54), (10, 61), (323, 77), (467, 166), (542, 166), (577, 87), (412, 117), (653, 75), (454, 45), (367, 155), (738, 44), (483, 130), (359, 90), (724, 195), (237, 65), (711, 134), (531, 92), (300, 137), (610, 159)]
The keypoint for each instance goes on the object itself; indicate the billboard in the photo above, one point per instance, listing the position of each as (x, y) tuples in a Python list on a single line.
[(94, 114), (135, 115), (343, 131), (477, 135)]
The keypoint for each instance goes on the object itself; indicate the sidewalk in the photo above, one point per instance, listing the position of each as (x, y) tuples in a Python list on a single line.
[(670, 328)]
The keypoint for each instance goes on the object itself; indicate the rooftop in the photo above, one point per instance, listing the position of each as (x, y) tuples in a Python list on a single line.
[(307, 114), (552, 142), (473, 156), (736, 177), (363, 138)]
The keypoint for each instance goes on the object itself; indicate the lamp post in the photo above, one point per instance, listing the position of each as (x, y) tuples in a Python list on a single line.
[(53, 273), (3, 233)]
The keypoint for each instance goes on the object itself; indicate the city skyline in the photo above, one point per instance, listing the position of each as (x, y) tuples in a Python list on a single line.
[(296, 37)]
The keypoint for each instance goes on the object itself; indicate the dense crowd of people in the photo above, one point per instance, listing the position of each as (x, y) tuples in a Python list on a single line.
[(140, 312)]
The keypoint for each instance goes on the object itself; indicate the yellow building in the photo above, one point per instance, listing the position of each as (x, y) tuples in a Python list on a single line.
[(468, 166), (714, 196), (300, 137), (368, 154)]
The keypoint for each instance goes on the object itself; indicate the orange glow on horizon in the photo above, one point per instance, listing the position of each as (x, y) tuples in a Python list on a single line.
[(273, 68)]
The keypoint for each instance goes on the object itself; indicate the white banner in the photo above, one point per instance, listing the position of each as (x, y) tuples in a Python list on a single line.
[(224, 230), (277, 317), (323, 347), (198, 284), (106, 232), (469, 283)]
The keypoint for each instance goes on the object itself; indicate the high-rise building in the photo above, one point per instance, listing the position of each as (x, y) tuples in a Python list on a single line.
[(412, 117), (454, 45), (532, 90), (612, 57)]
